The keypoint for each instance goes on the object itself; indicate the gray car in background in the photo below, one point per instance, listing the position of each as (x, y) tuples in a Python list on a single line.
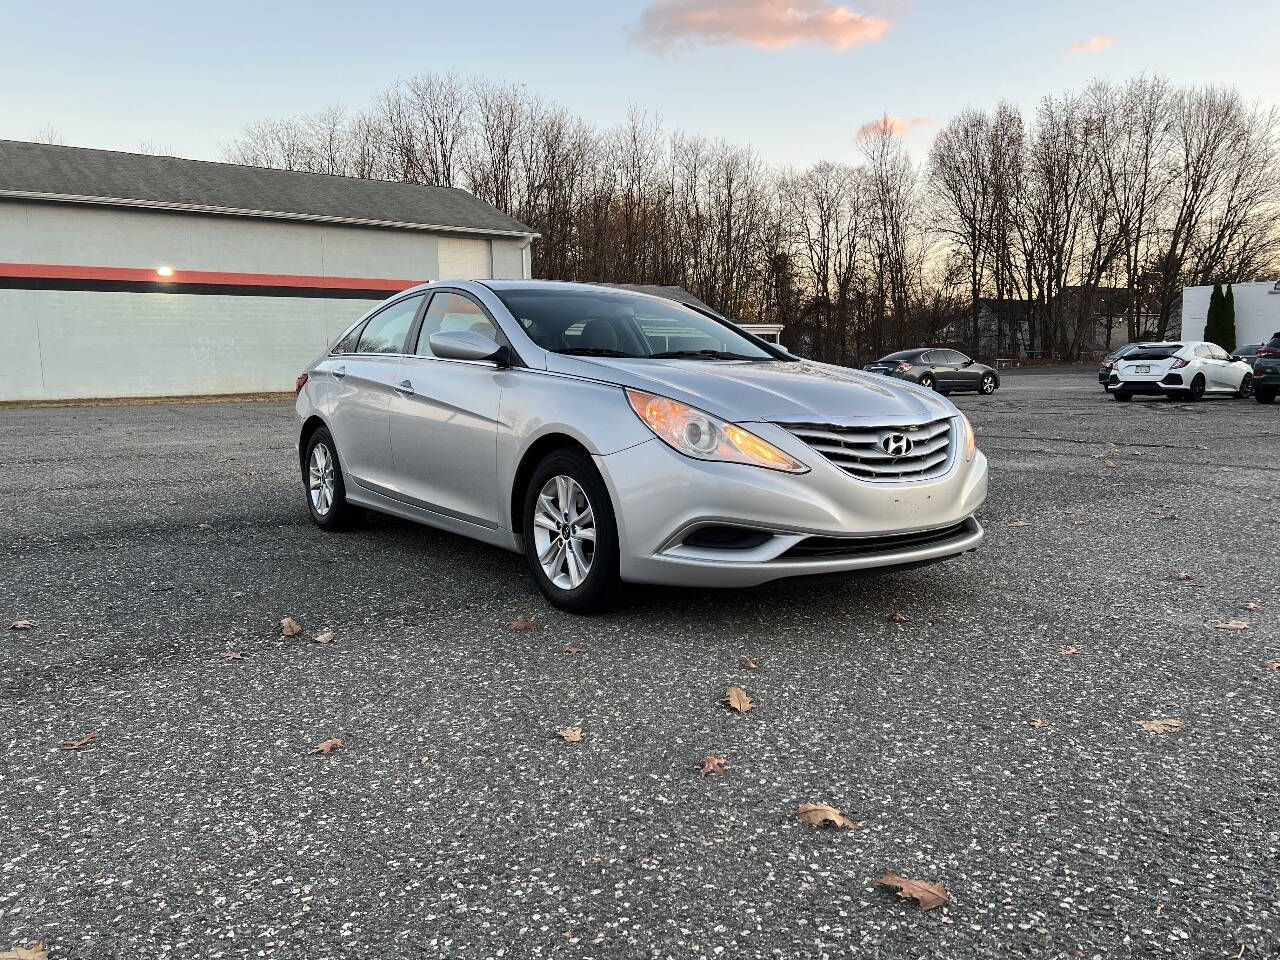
[(938, 368), (613, 436)]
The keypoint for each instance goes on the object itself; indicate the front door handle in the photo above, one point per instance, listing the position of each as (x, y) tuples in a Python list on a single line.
[(340, 372), (405, 387)]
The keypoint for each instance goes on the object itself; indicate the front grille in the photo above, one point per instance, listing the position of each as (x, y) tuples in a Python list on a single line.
[(813, 548), (860, 451)]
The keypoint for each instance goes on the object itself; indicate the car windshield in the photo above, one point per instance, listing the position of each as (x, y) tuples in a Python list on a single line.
[(605, 323)]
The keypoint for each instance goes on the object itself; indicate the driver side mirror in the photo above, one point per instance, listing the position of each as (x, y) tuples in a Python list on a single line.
[(1236, 359), (468, 345)]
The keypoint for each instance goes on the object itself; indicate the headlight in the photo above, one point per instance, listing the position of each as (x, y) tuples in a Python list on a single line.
[(704, 437), (970, 443)]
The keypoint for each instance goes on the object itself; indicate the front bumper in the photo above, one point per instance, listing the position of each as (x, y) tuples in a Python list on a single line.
[(661, 498)]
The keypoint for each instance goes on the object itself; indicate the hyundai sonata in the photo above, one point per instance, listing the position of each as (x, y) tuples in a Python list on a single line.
[(614, 436)]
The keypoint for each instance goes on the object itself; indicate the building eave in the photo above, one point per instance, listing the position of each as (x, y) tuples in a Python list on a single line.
[(174, 207)]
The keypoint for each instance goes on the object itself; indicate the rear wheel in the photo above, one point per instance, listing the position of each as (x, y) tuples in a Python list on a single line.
[(988, 384), (1122, 395), (1264, 394), (570, 535), (1246, 387), (322, 474), (928, 382), (1197, 388)]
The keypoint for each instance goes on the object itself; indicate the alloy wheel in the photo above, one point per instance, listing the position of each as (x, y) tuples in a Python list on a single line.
[(320, 479), (988, 384), (1246, 386), (564, 532)]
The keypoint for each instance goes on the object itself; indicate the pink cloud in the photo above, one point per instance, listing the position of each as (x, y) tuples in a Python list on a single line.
[(890, 124), (1093, 44), (767, 24)]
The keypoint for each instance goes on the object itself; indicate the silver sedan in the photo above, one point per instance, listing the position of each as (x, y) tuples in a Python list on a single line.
[(613, 436)]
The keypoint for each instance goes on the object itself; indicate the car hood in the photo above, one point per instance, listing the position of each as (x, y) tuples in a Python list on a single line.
[(771, 390)]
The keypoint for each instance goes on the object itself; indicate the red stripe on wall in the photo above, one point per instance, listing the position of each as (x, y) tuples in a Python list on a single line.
[(54, 271)]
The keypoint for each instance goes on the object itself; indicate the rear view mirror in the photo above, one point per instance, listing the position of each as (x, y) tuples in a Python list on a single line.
[(467, 345)]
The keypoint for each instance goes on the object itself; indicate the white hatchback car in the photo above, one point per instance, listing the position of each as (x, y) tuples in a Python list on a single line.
[(1189, 370)]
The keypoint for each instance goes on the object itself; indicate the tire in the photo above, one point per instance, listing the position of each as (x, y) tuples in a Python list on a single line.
[(988, 384), (1196, 393), (1124, 396), (327, 501), (1246, 387), (928, 382), (567, 477), (1264, 394)]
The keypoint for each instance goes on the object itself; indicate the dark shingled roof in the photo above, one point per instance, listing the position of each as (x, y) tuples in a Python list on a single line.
[(56, 172)]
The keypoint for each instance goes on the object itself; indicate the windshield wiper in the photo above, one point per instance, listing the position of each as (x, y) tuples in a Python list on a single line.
[(594, 352), (701, 355)]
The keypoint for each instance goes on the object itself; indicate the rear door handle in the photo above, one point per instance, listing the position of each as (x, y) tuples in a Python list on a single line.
[(340, 372), (405, 387)]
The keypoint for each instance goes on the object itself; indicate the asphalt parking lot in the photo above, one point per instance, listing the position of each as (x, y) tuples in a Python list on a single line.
[(992, 743)]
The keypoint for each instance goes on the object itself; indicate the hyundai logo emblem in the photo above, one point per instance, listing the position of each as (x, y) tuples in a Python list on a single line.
[(896, 444)]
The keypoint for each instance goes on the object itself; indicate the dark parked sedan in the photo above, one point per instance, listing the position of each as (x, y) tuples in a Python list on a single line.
[(938, 368), (1266, 371)]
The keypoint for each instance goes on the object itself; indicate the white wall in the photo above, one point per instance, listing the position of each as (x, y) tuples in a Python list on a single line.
[(1257, 311), (62, 344), (69, 344)]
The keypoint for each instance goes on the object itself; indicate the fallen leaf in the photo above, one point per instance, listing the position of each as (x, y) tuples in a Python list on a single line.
[(22, 625), (1037, 722), (899, 617), (233, 655), (1069, 650), (289, 627), (275, 446), (206, 526), (1162, 725), (1076, 523), (750, 664), (88, 738), (1227, 470), (825, 815), (521, 623), (712, 765), (737, 699), (571, 734), (1201, 446), (31, 951), (928, 895), (1108, 462), (1253, 607), (1019, 523), (328, 746), (237, 594), (324, 636), (1271, 665), (1231, 624), (575, 649), (1182, 575)]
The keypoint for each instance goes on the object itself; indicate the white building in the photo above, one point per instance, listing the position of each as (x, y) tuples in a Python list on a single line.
[(130, 275), (1257, 311)]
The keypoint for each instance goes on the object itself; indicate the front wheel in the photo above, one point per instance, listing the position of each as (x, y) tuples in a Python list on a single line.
[(1246, 387), (988, 385), (570, 535)]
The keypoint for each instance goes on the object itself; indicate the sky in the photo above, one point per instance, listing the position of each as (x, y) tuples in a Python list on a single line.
[(797, 79)]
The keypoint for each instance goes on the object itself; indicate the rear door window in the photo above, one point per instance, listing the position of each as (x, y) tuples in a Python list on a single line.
[(386, 330)]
